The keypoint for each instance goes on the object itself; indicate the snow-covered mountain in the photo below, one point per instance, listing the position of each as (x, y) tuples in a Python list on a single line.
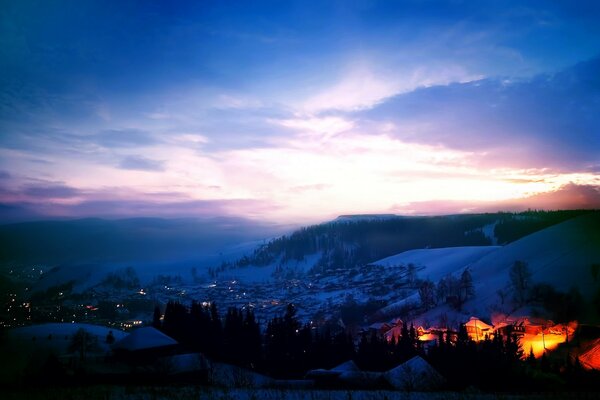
[(353, 241), (565, 257)]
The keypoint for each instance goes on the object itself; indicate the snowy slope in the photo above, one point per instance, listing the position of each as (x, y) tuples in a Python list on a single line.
[(144, 338), (561, 255), (263, 274), (58, 335), (438, 262)]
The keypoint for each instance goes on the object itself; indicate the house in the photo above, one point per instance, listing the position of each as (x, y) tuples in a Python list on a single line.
[(379, 327), (477, 329), (590, 356), (144, 345), (393, 334)]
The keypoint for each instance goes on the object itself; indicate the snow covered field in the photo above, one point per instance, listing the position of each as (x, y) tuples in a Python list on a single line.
[(438, 262), (198, 392)]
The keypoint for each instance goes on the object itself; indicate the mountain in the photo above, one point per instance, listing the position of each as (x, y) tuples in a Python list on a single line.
[(136, 240), (561, 256), (563, 261), (438, 262), (349, 242)]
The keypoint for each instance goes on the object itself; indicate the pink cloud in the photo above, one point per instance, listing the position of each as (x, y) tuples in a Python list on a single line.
[(569, 196)]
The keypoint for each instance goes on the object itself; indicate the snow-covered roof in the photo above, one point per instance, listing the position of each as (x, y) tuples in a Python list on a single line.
[(479, 324), (395, 332), (415, 374), (379, 325), (144, 338), (346, 366)]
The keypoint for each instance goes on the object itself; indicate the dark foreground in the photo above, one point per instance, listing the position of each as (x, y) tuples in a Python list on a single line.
[(106, 392)]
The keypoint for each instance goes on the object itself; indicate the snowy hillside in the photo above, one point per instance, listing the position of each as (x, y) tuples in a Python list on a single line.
[(438, 263), (57, 336), (354, 240), (561, 256)]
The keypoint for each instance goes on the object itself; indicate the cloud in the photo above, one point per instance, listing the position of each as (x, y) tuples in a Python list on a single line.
[(141, 164), (306, 188), (51, 191), (226, 101), (124, 208), (549, 121), (363, 86), (116, 138), (317, 126), (567, 197)]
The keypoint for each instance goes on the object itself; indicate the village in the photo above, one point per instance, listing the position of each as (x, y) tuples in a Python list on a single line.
[(319, 299)]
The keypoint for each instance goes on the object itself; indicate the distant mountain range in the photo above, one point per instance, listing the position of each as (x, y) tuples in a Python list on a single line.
[(136, 240), (351, 241)]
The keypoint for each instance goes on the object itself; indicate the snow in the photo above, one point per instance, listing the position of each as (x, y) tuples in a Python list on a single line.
[(560, 255), (438, 262), (144, 338), (489, 232), (185, 363), (346, 367), (415, 375), (58, 335), (264, 274), (476, 323), (231, 376), (395, 307)]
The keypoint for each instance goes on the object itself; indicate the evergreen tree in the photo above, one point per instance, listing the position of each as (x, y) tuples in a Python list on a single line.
[(110, 338), (83, 342), (467, 290)]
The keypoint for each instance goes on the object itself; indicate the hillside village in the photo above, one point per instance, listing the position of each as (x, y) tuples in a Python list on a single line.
[(431, 295)]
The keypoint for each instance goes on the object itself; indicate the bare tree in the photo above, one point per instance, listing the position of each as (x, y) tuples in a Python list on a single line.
[(520, 278), (427, 294), (411, 273), (83, 342)]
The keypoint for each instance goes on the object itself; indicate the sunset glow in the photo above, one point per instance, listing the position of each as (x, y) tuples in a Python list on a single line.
[(213, 112)]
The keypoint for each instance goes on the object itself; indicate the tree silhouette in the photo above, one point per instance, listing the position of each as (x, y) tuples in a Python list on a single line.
[(156, 322), (520, 277), (427, 294), (83, 342)]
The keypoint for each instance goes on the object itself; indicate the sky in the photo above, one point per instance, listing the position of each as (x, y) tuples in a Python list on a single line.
[(297, 111)]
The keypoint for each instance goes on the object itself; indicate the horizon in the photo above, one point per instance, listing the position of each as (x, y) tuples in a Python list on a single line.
[(275, 225), (295, 113)]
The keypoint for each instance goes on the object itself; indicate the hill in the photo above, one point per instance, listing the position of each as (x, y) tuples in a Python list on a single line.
[(561, 256), (102, 241), (563, 262), (349, 242)]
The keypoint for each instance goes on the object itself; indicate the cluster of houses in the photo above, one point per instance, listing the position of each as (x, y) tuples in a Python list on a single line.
[(148, 349), (535, 334)]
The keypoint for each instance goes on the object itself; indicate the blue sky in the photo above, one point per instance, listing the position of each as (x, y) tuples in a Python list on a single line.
[(297, 111)]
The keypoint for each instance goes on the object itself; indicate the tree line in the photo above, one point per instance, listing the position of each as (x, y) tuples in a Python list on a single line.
[(288, 348), (348, 243)]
